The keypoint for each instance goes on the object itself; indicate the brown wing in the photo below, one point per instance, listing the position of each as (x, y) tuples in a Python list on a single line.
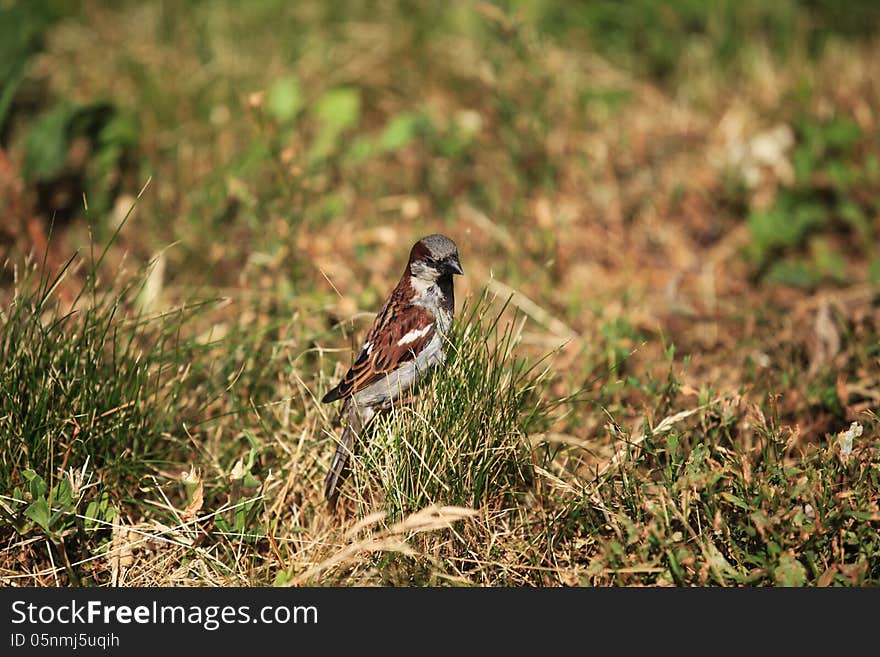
[(383, 352)]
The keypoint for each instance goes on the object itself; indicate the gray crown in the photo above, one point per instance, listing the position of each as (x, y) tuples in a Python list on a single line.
[(440, 246)]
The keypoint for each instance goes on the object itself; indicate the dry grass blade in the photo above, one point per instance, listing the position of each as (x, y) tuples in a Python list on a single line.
[(533, 310), (391, 539)]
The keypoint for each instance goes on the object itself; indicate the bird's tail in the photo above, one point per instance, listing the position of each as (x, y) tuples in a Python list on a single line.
[(341, 465)]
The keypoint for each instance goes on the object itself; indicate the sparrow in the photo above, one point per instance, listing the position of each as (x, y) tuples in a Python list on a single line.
[(402, 348)]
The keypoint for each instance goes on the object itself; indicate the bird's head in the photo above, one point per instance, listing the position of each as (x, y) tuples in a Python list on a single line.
[(433, 257)]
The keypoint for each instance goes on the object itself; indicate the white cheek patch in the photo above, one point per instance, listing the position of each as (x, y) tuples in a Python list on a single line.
[(412, 336), (420, 286)]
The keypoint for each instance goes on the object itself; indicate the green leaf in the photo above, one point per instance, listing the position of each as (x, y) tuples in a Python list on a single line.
[(362, 148), (62, 494), (17, 497), (763, 228), (120, 130), (790, 571), (400, 131), (99, 511), (254, 451), (37, 485), (285, 99), (842, 134), (842, 175), (38, 511), (46, 143), (795, 273), (335, 111), (92, 514), (853, 214), (736, 501), (804, 164), (338, 109)]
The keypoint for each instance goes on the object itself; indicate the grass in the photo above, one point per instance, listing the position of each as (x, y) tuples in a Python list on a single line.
[(695, 508), (466, 441), (664, 364)]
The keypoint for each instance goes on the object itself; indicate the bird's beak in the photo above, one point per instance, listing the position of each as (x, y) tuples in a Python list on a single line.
[(454, 266)]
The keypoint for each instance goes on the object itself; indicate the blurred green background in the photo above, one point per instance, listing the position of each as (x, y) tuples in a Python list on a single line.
[(248, 111)]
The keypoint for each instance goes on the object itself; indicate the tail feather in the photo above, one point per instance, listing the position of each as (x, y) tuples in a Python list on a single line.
[(357, 421), (340, 467)]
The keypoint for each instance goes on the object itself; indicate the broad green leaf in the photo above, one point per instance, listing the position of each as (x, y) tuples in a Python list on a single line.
[(38, 511), (62, 495), (37, 485), (121, 129), (361, 149), (399, 131), (335, 111), (92, 514), (285, 99), (785, 224), (46, 143), (842, 134), (338, 109)]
